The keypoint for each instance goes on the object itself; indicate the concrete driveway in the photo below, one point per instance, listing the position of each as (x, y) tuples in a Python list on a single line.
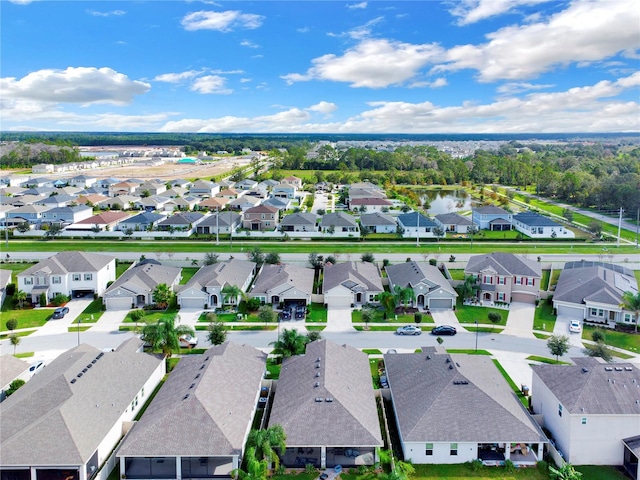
[(110, 321), (339, 320), (447, 317), (516, 365), (562, 328), (61, 325), (189, 317), (520, 320)]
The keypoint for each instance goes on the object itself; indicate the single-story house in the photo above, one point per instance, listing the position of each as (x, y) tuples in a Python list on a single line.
[(243, 203), (157, 202), (431, 290), (490, 217), (284, 283), (453, 223), (141, 222), (369, 204), (325, 403), (134, 288), (222, 222), (121, 202), (204, 289), (104, 221), (65, 422), (592, 291), (351, 283), (284, 190), (459, 408), (338, 222), (535, 225), (379, 222), (182, 221), (416, 225), (299, 222), (197, 425), (213, 203)]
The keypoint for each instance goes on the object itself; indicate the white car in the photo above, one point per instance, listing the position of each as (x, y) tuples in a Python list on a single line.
[(187, 341), (36, 368), (575, 327)]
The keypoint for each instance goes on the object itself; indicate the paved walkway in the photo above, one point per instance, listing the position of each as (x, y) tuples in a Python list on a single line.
[(339, 320), (447, 317), (516, 365), (520, 320), (61, 325)]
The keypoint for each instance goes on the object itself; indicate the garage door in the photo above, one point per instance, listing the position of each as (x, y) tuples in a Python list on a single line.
[(523, 298), (339, 301), (440, 303), (118, 303), (192, 303), (571, 312)]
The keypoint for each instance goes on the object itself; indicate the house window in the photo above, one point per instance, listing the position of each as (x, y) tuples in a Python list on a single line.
[(559, 410), (583, 420), (428, 449), (502, 280), (517, 280), (263, 217), (628, 318), (88, 276), (453, 449), (56, 280), (530, 281), (28, 281), (500, 296), (142, 391), (76, 277), (487, 279)]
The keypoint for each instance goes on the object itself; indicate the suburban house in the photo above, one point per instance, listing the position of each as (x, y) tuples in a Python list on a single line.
[(284, 190), (204, 289), (505, 277), (338, 222), (351, 283), (279, 203), (222, 222), (181, 221), (27, 213), (82, 181), (453, 223), (122, 188), (121, 202), (592, 291), (285, 283), (490, 423), (67, 215), (60, 200), (11, 368), (369, 204), (379, 222), (416, 225), (431, 290), (592, 410), (181, 204), (325, 403), (204, 189), (228, 193), (213, 203), (175, 192), (65, 422), (5, 279), (68, 273), (243, 203), (490, 217), (104, 221), (299, 222), (535, 225), (262, 217), (198, 423), (150, 189), (134, 288), (246, 184), (156, 202), (295, 181), (141, 222)]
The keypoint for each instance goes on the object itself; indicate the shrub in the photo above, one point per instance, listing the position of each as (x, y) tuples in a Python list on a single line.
[(13, 386), (494, 317), (509, 466), (59, 299), (253, 304), (11, 289), (310, 469), (12, 324), (452, 258), (43, 299), (597, 336), (417, 317), (475, 465), (433, 262)]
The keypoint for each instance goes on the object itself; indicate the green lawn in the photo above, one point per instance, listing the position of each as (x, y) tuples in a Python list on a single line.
[(16, 268), (469, 314), (626, 341), (317, 313), (27, 318), (461, 472), (514, 387), (93, 312), (598, 472), (468, 351), (536, 358), (187, 273), (554, 278), (378, 317), (18, 334), (457, 273), (544, 319), (25, 355), (74, 329), (122, 267), (544, 282), (273, 368)]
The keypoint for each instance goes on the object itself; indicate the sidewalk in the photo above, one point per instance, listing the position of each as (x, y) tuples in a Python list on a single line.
[(447, 317)]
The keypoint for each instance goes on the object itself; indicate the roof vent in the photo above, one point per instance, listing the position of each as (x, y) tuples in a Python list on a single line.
[(100, 355), (428, 357), (457, 364), (448, 360), (201, 367), (317, 374), (450, 367), (197, 376), (318, 359), (186, 396), (318, 399), (628, 369), (464, 382), (94, 360), (89, 366), (618, 369), (456, 382), (207, 358), (317, 384), (74, 380), (608, 369), (192, 385), (328, 399), (318, 365), (84, 370), (585, 369)]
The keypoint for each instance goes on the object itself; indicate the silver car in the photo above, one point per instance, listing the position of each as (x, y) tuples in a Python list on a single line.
[(409, 330)]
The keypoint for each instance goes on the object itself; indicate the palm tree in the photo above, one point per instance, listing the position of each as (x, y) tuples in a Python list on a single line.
[(162, 295), (20, 296), (404, 295), (367, 316), (388, 301), (466, 289), (164, 335), (631, 301), (230, 293), (266, 441), (256, 469), (289, 343), (15, 341)]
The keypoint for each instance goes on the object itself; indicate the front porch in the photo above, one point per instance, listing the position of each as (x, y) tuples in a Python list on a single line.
[(521, 454)]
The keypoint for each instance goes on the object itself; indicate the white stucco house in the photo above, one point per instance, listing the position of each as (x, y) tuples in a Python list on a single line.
[(535, 225)]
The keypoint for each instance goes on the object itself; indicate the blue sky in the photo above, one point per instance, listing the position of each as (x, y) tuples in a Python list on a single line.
[(466, 66)]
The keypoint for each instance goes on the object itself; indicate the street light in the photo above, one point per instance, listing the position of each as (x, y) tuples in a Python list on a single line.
[(78, 331), (476, 335)]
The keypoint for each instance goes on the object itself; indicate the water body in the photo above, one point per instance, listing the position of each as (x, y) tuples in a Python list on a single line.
[(446, 201)]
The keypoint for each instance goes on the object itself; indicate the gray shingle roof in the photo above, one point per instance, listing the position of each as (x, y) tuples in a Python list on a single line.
[(491, 210), (272, 276), (5, 277), (535, 219), (375, 219), (602, 389), (300, 218), (46, 421), (439, 397), (182, 218), (65, 262), (232, 272), (349, 419), (201, 411), (354, 275), (412, 219), (453, 219), (414, 273), (143, 279), (143, 218), (506, 264), (226, 219), (10, 368), (338, 219)]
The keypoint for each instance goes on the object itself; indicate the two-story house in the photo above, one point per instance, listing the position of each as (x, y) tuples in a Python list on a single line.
[(67, 215), (505, 277), (261, 217), (490, 217)]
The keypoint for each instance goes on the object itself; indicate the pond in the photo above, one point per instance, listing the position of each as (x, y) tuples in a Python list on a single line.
[(446, 201)]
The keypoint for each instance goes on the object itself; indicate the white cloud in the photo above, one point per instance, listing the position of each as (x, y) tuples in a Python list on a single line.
[(360, 32), (373, 63), (323, 107), (471, 11), (249, 44), (177, 77), (513, 88), (245, 80), (437, 83), (221, 21), (357, 6), (21, 2), (584, 32), (111, 13), (84, 85), (303, 30), (211, 84)]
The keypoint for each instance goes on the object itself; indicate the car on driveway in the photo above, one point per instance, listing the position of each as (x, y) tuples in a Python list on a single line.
[(575, 327), (60, 312), (187, 341), (409, 330), (444, 330), (36, 368)]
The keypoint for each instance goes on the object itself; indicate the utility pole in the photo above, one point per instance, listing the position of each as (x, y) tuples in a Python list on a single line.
[(418, 230), (619, 227), (217, 225)]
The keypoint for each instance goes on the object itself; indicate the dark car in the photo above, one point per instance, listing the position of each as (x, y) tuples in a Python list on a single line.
[(444, 330), (60, 312)]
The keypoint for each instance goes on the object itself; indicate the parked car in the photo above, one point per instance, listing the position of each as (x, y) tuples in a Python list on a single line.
[(409, 330), (187, 341), (575, 327), (444, 330), (36, 368), (60, 312)]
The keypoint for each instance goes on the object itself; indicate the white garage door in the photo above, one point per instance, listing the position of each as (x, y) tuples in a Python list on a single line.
[(571, 312), (523, 298), (339, 301), (118, 303), (192, 303), (440, 303)]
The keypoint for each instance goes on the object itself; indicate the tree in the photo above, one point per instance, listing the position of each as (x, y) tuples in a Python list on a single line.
[(631, 302), (558, 345), (217, 333), (364, 232), (466, 289), (23, 227), (265, 442), (54, 230), (313, 336), (256, 255), (438, 232), (595, 228), (367, 316), (13, 386), (272, 258), (566, 472), (211, 258), (162, 295), (11, 324), (404, 295), (599, 349), (137, 315), (266, 314), (15, 341), (230, 293), (567, 214), (289, 343), (20, 296), (368, 258), (255, 469), (388, 301), (128, 232), (164, 335), (316, 261)]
